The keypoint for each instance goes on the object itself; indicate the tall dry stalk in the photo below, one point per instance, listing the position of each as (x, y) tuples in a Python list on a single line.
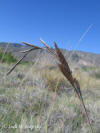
[(64, 68)]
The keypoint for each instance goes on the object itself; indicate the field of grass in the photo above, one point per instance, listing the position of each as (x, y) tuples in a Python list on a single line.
[(36, 100)]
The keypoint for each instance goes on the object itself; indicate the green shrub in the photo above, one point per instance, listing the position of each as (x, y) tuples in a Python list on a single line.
[(7, 57), (97, 75)]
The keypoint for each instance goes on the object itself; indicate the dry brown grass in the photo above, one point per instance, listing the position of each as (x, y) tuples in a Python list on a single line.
[(56, 82), (65, 69), (32, 103)]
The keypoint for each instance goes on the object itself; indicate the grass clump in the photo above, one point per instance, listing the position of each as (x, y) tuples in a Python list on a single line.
[(56, 82)]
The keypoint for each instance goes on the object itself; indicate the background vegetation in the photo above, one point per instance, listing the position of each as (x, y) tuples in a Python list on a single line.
[(7, 57), (41, 100)]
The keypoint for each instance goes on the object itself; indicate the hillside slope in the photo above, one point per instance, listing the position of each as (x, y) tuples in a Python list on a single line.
[(74, 57)]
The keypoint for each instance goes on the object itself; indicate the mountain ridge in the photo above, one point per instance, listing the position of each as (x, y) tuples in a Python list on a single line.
[(74, 57)]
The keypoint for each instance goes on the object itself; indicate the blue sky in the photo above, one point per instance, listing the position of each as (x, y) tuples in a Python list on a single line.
[(73, 24)]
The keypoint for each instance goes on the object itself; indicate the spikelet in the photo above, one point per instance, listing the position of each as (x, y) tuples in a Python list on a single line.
[(63, 65)]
